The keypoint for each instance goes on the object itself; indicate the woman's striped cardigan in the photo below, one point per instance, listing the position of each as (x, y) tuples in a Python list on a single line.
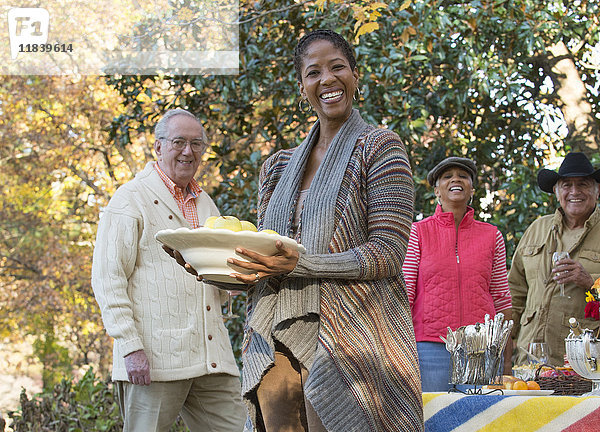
[(364, 374)]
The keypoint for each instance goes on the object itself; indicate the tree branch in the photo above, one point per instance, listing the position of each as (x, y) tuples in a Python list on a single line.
[(282, 9)]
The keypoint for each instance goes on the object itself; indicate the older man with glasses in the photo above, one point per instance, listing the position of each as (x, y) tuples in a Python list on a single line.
[(172, 354)]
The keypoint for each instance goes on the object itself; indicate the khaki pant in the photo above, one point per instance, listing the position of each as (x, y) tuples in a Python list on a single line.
[(210, 403), (281, 397)]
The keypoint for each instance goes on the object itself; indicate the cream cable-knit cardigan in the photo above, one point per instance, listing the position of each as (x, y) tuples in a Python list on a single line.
[(147, 300)]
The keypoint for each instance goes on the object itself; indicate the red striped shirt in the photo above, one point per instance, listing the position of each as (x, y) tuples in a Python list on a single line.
[(186, 200)]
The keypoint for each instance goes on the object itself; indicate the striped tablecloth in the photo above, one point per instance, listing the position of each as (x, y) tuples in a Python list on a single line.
[(495, 413)]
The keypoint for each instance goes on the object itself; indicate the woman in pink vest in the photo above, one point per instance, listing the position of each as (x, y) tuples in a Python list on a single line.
[(455, 270)]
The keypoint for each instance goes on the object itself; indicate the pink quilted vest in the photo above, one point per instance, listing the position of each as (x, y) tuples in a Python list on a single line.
[(454, 274)]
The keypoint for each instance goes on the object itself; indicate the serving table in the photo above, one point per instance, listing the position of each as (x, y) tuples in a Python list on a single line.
[(456, 412)]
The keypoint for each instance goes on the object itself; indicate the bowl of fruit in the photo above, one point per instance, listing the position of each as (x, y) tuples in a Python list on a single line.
[(207, 248), (512, 385)]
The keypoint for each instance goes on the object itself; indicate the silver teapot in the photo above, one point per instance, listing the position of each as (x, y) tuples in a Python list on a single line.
[(583, 354)]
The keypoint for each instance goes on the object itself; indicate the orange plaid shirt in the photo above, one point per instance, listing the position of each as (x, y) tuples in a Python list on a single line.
[(187, 204)]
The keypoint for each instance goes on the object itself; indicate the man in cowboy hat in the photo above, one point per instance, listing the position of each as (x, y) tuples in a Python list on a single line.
[(540, 313)]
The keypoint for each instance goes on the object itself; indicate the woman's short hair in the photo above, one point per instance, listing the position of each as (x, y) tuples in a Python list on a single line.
[(337, 40)]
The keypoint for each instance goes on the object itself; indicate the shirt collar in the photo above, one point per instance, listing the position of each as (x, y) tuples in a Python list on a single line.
[(193, 188)]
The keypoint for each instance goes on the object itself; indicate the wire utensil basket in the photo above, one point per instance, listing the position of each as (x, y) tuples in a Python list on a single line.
[(476, 351)]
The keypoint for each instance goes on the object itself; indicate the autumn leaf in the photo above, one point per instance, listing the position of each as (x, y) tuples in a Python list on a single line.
[(404, 5), (320, 4), (367, 28), (377, 5)]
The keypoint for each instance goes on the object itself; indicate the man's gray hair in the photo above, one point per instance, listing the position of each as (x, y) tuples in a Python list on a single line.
[(161, 128)]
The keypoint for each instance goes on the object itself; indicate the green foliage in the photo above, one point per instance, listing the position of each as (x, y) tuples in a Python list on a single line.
[(50, 183), (54, 357), (87, 405), (451, 78), (472, 79)]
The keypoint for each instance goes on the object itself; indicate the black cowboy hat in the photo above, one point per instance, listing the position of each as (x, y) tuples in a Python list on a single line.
[(467, 164), (574, 165)]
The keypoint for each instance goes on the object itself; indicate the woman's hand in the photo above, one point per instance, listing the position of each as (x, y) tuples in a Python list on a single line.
[(568, 270), (262, 266), (177, 256)]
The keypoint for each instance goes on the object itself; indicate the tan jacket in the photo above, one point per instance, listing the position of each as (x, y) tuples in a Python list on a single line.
[(540, 315)]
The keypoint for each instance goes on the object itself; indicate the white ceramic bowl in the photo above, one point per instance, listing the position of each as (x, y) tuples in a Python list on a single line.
[(207, 249)]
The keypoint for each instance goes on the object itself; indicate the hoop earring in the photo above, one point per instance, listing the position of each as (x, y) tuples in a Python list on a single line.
[(302, 108), (471, 200), (357, 92)]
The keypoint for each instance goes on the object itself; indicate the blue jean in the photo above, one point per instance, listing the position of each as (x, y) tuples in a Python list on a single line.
[(434, 362)]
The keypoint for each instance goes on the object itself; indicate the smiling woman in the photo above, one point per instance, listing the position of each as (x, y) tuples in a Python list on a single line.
[(455, 270), (329, 343), (454, 188), (328, 83)]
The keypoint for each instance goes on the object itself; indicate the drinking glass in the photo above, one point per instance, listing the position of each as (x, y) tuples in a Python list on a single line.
[(556, 257), (230, 313), (537, 352)]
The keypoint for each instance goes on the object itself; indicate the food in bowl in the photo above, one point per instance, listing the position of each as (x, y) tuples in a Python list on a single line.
[(248, 226), (207, 249), (519, 385), (227, 222), (557, 372), (210, 221), (231, 223), (510, 382)]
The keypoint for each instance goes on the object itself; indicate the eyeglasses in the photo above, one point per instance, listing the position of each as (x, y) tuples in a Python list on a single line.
[(197, 145)]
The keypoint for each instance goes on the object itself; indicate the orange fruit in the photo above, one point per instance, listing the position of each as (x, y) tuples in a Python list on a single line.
[(519, 385), (508, 381), (532, 385)]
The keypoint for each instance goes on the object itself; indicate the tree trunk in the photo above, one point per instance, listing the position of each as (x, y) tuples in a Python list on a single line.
[(577, 111)]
